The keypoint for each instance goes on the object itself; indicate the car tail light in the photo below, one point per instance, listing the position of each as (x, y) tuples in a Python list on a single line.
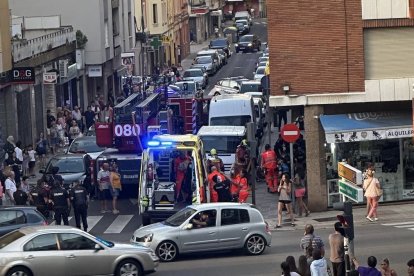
[(45, 223), (267, 227)]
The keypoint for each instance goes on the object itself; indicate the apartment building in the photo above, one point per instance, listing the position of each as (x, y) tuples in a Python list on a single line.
[(346, 66)]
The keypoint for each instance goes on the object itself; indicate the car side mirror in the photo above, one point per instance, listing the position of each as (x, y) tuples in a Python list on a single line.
[(42, 171), (98, 247), (189, 226)]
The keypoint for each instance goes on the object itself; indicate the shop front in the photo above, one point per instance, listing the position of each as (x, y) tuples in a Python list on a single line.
[(382, 139)]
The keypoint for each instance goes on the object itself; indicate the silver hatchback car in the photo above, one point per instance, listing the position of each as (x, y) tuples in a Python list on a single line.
[(207, 227), (65, 250)]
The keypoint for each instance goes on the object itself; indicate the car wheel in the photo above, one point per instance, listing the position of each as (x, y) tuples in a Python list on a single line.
[(255, 245), (167, 251), (19, 271), (129, 268)]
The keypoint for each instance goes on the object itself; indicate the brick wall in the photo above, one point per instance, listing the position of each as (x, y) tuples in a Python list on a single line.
[(316, 46)]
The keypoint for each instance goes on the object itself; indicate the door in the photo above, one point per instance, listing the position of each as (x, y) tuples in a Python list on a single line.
[(81, 256), (43, 255), (234, 226), (204, 234)]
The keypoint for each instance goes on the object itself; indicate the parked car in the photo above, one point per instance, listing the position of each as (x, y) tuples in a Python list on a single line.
[(85, 144), (260, 73), (225, 226), (248, 43), (15, 217), (208, 62), (72, 167), (196, 75), (245, 23), (227, 86), (221, 43), (250, 86), (262, 59), (241, 28), (214, 54), (65, 250)]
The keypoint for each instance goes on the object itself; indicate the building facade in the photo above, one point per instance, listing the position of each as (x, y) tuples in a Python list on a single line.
[(345, 66)]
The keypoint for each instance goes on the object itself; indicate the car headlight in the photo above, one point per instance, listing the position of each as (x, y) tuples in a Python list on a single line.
[(235, 44), (250, 45), (147, 238)]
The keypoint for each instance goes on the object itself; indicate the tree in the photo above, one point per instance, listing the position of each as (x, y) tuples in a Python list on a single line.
[(81, 40)]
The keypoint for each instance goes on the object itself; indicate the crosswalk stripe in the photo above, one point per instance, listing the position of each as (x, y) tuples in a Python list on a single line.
[(404, 226), (92, 221), (398, 223), (118, 224)]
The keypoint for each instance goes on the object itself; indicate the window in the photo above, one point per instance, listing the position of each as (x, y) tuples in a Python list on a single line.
[(234, 216), (9, 238), (204, 219), (11, 217), (69, 241), (42, 243), (154, 14), (106, 35), (34, 217)]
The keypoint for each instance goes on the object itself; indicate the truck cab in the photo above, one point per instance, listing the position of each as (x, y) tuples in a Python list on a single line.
[(224, 139), (161, 160)]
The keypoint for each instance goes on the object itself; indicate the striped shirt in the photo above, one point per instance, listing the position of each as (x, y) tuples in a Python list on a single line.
[(316, 242)]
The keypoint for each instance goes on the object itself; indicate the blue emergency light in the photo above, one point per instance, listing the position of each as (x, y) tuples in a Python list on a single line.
[(153, 143), (166, 143)]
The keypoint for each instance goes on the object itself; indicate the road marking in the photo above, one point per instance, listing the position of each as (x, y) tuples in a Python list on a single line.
[(118, 224), (92, 221), (404, 226), (397, 223)]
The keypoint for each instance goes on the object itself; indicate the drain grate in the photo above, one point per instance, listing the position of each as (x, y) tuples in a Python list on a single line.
[(326, 219)]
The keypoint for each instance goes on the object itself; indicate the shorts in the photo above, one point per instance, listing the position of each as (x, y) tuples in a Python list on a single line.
[(105, 194), (32, 164), (285, 201), (300, 192), (115, 192)]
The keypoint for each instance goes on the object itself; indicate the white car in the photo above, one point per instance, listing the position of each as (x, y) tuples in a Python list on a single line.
[(196, 75), (260, 73)]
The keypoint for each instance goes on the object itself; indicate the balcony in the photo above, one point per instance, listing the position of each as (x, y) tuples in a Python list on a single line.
[(25, 49)]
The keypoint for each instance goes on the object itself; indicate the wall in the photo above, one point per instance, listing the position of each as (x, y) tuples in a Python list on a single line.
[(5, 45), (316, 46)]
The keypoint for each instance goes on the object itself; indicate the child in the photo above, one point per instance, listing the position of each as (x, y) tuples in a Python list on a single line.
[(25, 163), (32, 161)]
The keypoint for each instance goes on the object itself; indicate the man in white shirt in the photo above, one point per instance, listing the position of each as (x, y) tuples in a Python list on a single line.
[(18, 151), (77, 116), (10, 185)]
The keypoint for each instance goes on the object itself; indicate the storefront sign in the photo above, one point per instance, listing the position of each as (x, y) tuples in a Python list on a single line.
[(23, 75), (95, 71), (49, 78), (350, 173), (370, 135), (351, 191)]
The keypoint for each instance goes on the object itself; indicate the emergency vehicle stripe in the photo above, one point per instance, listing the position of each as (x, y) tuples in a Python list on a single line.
[(194, 117), (118, 224)]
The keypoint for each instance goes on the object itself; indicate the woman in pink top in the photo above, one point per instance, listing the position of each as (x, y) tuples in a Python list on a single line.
[(372, 192)]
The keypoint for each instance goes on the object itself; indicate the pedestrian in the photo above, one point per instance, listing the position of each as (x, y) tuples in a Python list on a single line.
[(10, 188), (12, 163), (310, 241), (290, 260), (303, 266), (95, 108), (24, 184), (20, 196), (89, 115), (367, 271), (222, 187), (104, 186), (41, 149), (32, 159), (59, 198), (286, 270), (19, 152), (25, 163), (300, 191), (54, 137), (116, 187), (105, 114), (319, 266), (186, 188), (243, 187), (38, 197), (410, 267), (242, 159), (373, 192), (77, 116), (336, 243), (74, 131), (386, 270), (269, 166), (79, 197), (235, 185), (49, 118), (9, 146), (284, 189)]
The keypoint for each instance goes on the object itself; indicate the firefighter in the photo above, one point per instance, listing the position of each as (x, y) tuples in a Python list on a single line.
[(59, 198), (38, 197), (269, 165), (242, 156), (215, 161), (79, 198), (211, 183), (180, 168)]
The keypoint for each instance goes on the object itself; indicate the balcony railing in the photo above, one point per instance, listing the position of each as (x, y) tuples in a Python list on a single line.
[(23, 49)]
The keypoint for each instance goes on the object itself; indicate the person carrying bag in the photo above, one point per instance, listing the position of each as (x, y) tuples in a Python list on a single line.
[(373, 192)]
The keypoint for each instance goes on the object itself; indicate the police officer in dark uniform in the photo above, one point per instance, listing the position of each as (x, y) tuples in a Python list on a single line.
[(79, 197), (59, 198), (39, 198)]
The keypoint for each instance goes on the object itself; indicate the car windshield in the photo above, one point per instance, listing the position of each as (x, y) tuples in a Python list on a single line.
[(242, 22), (192, 73), (203, 60), (218, 43), (186, 86), (224, 144), (239, 25), (250, 87), (248, 38), (67, 165), (105, 242), (85, 146), (9, 238), (180, 217), (260, 70), (230, 120), (263, 59)]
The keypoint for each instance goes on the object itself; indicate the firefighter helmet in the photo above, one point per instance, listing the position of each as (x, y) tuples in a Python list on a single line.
[(244, 142), (213, 152)]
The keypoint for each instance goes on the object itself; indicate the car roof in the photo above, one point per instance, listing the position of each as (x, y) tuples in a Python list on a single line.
[(17, 208), (251, 82), (211, 51), (231, 97), (69, 156), (193, 69), (222, 130), (219, 39), (49, 228), (206, 206), (261, 67)]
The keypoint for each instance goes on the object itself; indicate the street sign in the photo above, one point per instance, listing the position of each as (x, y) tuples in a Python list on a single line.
[(290, 133), (155, 42), (350, 173), (351, 191)]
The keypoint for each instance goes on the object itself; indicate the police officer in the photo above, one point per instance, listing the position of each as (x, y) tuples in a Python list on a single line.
[(39, 198), (79, 197), (59, 198), (215, 161)]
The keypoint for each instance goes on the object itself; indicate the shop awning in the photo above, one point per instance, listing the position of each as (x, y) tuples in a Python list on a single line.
[(366, 126)]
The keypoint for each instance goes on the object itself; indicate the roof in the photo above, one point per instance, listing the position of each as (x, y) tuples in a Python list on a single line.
[(251, 82), (205, 206), (222, 130), (17, 207), (231, 97), (176, 138), (48, 228), (211, 51)]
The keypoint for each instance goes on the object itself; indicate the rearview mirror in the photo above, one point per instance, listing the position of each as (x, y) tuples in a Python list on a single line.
[(189, 226), (98, 247)]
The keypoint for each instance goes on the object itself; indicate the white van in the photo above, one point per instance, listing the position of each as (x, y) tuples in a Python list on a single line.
[(224, 139), (231, 110), (243, 15)]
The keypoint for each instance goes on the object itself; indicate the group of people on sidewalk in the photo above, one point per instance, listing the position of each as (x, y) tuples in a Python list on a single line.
[(314, 263)]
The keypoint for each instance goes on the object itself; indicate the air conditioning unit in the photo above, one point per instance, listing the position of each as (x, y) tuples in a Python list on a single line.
[(63, 68)]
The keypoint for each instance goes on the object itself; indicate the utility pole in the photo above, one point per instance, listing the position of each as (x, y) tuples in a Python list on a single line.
[(142, 46)]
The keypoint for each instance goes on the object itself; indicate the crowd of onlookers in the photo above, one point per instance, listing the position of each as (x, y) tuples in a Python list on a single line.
[(313, 261)]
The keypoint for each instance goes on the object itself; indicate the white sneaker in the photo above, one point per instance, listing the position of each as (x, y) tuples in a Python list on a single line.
[(370, 219), (115, 212), (376, 219), (103, 211)]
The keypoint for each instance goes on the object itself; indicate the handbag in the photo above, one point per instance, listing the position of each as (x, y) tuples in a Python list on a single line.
[(380, 192)]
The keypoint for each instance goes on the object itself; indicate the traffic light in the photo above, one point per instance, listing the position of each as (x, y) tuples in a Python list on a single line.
[(346, 218)]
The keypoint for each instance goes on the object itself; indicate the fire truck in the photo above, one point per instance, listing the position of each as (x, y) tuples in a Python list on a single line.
[(161, 161)]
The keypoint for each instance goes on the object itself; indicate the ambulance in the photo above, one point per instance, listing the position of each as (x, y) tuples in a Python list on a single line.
[(157, 186)]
